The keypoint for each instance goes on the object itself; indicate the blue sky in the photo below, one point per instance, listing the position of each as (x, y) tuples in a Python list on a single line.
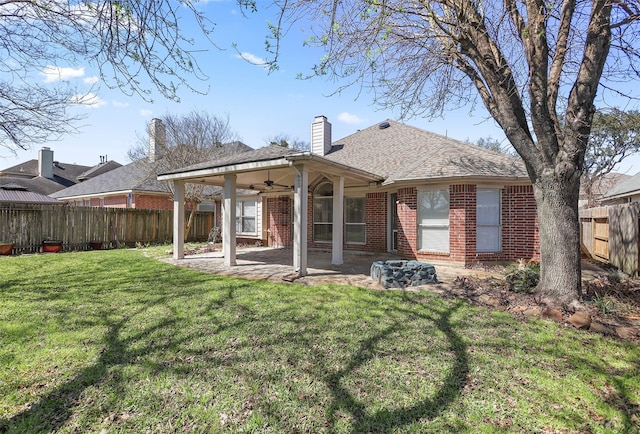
[(259, 104)]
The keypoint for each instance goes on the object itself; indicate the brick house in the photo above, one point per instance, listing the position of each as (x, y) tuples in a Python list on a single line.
[(134, 186), (129, 186), (388, 188)]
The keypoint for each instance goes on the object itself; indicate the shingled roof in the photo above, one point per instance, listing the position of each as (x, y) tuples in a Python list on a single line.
[(133, 176), (11, 192), (99, 169), (400, 152), (626, 188), (265, 153), (64, 174), (38, 185)]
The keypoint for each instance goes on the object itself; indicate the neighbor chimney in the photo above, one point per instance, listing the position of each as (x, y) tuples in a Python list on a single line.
[(157, 139), (45, 162), (320, 136)]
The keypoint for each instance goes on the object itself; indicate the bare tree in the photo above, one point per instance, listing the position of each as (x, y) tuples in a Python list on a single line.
[(535, 65), (286, 141), (129, 42), (184, 140), (615, 134), (495, 145)]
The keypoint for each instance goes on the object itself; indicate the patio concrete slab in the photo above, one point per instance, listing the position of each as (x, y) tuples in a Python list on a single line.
[(264, 263)]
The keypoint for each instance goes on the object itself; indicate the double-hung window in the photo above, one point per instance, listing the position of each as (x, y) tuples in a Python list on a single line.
[(354, 216), (354, 222), (323, 213), (433, 220), (488, 223), (246, 216)]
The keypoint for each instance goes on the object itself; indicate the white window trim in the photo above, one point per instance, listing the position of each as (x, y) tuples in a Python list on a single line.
[(328, 199), (364, 223), (420, 226), (240, 216)]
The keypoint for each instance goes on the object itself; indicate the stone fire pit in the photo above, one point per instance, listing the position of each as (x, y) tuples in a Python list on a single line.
[(400, 274)]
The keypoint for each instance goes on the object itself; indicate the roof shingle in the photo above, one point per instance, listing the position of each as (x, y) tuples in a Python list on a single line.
[(401, 152)]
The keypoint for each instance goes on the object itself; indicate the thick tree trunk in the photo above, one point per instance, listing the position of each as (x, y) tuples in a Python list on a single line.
[(559, 231)]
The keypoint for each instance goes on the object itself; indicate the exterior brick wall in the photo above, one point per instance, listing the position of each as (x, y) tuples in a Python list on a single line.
[(519, 225), (376, 222), (279, 221), (407, 227), (115, 201), (520, 219), (149, 201), (462, 221), (139, 201)]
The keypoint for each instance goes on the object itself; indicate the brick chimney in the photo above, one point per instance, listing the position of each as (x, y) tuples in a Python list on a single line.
[(45, 162), (157, 138), (320, 136)]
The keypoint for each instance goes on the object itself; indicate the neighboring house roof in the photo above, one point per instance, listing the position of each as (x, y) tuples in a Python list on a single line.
[(37, 185), (626, 188), (400, 152), (603, 185), (98, 169), (16, 193), (63, 173), (134, 176), (130, 177)]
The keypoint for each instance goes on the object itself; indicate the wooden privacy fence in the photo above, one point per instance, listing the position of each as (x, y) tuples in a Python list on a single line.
[(28, 225), (610, 234)]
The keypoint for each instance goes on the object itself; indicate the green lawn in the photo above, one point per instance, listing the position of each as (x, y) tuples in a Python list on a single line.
[(113, 341)]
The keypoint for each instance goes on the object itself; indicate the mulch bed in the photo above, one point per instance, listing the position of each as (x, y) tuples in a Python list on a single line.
[(612, 303)]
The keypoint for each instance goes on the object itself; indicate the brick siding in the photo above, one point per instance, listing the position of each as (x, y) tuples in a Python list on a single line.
[(150, 201), (279, 221), (519, 225), (115, 201)]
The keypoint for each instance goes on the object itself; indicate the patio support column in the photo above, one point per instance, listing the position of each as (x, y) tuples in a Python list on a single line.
[(178, 219), (300, 198), (229, 221), (338, 221)]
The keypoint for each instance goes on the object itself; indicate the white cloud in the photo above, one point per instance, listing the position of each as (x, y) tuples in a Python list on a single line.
[(120, 104), (253, 59), (55, 73), (91, 80), (89, 99), (145, 112), (349, 118)]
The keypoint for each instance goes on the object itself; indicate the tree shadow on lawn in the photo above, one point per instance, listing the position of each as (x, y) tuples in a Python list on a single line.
[(55, 409), (610, 385), (391, 420), (343, 403)]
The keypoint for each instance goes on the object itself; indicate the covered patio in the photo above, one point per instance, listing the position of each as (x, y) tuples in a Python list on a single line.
[(268, 171)]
